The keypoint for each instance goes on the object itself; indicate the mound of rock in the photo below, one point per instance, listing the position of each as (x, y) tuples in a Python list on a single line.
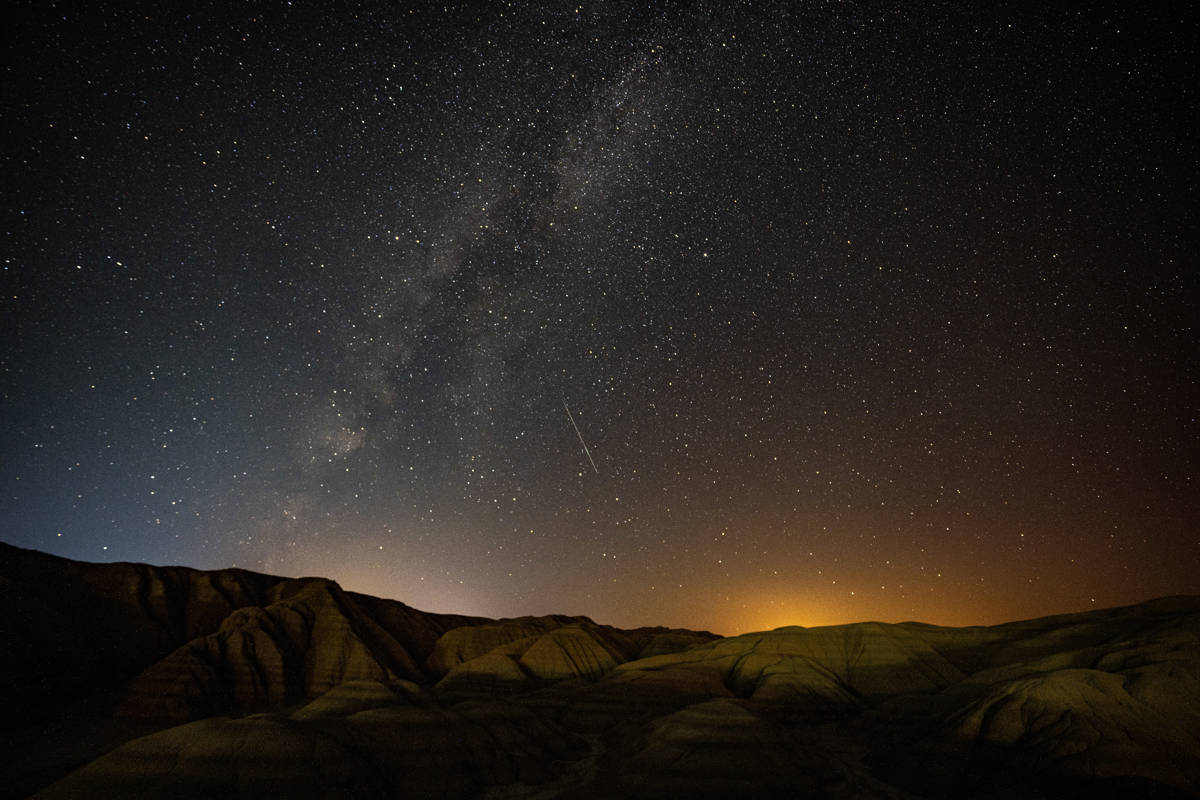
[(839, 665), (309, 640)]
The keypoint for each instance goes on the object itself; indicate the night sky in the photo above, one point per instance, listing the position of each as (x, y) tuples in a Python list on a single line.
[(861, 311)]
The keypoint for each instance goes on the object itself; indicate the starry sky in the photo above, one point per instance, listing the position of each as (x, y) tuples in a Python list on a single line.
[(717, 315)]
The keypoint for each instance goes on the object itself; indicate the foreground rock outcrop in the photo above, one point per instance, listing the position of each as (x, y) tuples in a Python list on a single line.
[(127, 680), (366, 738)]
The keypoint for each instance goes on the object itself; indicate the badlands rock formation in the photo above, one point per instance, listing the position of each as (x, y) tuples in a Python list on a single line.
[(125, 680)]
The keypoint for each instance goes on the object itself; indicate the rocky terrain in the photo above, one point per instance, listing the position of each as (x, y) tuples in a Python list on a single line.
[(127, 680)]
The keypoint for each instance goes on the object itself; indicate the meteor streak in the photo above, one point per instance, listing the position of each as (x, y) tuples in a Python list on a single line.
[(586, 452)]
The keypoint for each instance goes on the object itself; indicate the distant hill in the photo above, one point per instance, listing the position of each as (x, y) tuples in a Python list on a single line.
[(128, 680)]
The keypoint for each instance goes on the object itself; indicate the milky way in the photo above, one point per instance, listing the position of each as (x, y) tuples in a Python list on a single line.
[(862, 312)]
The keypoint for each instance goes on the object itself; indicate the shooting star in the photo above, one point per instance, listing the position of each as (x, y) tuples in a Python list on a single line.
[(586, 452)]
